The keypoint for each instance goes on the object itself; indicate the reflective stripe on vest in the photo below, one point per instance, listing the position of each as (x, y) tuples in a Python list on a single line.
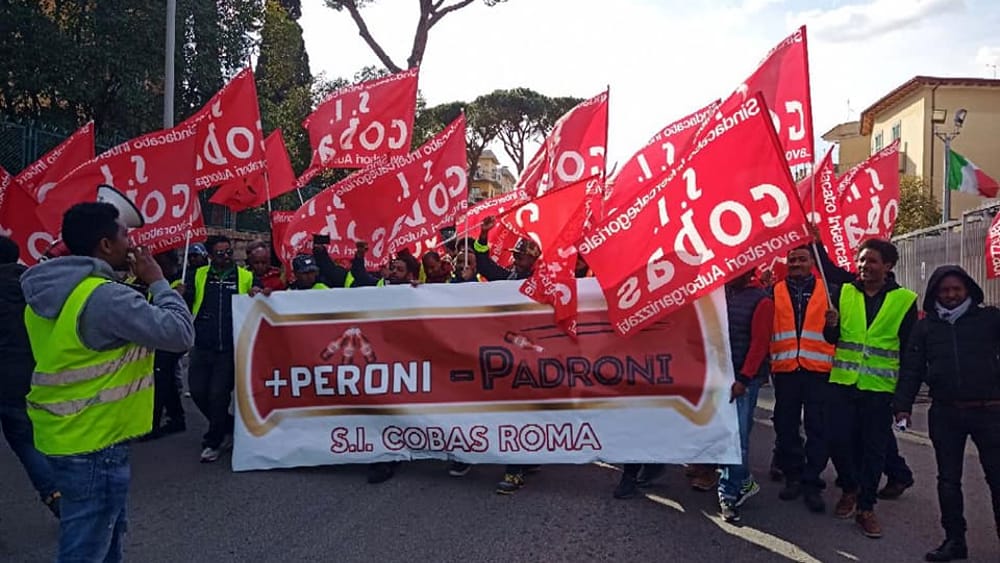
[(808, 350), (84, 400), (244, 280), (868, 356)]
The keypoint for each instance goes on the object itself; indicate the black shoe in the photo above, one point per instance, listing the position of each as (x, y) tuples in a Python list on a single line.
[(950, 550), (649, 473), (627, 488), (814, 501), (512, 482), (459, 469), (792, 491), (730, 512), (380, 472)]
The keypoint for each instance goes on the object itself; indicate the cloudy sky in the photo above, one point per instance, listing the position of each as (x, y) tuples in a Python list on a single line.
[(666, 58)]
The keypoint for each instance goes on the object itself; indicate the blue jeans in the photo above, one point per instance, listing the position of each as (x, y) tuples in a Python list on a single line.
[(735, 476), (18, 431), (94, 496)]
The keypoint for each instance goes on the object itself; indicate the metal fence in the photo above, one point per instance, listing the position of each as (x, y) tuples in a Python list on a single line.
[(23, 141), (960, 242)]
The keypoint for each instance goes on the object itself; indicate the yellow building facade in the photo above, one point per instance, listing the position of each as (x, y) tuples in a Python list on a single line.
[(491, 178), (905, 114)]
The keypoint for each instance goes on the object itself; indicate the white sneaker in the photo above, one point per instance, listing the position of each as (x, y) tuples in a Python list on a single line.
[(209, 455), (227, 442)]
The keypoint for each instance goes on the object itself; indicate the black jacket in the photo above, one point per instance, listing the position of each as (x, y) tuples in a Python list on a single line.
[(15, 349), (959, 362), (214, 324)]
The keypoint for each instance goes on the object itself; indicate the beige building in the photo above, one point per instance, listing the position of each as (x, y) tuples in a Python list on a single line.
[(852, 146), (905, 114), (491, 178)]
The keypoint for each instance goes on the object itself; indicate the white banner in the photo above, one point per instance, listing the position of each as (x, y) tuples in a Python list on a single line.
[(477, 373)]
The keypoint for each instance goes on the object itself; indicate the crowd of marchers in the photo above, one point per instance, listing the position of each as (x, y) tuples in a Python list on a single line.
[(99, 342)]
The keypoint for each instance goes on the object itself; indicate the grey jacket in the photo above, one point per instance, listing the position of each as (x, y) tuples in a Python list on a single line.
[(114, 314)]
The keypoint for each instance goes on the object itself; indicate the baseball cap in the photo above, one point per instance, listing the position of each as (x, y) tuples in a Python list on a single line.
[(304, 263), (526, 246)]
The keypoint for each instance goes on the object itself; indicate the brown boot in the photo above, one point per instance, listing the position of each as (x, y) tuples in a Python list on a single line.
[(705, 478), (868, 523), (846, 505)]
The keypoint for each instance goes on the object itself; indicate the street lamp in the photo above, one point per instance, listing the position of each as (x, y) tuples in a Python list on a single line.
[(938, 118)]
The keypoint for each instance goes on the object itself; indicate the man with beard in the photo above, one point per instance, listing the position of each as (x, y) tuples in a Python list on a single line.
[(873, 318), (954, 349), (526, 253)]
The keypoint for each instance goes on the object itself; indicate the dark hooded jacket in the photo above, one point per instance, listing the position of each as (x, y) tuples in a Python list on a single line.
[(15, 349), (958, 362)]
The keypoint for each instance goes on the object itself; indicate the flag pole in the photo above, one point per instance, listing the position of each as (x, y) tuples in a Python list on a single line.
[(187, 251)]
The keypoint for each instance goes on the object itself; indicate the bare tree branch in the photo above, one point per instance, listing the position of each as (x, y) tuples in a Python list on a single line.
[(437, 14), (359, 20)]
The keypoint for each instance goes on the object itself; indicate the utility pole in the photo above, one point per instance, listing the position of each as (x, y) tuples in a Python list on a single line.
[(168, 71)]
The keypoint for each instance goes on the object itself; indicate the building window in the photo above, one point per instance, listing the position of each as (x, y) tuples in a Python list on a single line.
[(879, 141), (897, 130)]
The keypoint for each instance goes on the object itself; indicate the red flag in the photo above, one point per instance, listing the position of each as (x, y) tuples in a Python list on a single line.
[(151, 170), (328, 212), (869, 201), (19, 218), (783, 78), (356, 125), (501, 239), (229, 137), (279, 222), (555, 222), (255, 190), (572, 151), (805, 186), (993, 249), (43, 175), (733, 207), (654, 160), (412, 198)]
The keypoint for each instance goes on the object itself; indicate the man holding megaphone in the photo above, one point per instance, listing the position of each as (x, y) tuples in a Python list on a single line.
[(92, 390)]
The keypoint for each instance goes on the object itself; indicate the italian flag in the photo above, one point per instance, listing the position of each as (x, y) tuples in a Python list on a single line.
[(965, 176)]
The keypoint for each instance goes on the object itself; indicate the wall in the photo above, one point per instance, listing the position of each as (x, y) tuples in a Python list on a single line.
[(911, 114)]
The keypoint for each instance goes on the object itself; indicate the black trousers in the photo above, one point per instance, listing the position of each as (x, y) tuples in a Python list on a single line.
[(166, 394), (211, 378), (950, 426), (859, 426), (800, 400)]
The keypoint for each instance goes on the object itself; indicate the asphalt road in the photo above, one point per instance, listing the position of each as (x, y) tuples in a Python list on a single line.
[(182, 510)]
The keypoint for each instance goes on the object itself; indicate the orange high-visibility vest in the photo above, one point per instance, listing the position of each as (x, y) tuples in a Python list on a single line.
[(808, 350)]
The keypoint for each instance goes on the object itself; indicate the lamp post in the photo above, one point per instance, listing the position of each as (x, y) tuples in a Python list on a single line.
[(168, 65), (938, 118)]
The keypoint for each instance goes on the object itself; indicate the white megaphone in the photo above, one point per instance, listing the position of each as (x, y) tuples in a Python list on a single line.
[(127, 211)]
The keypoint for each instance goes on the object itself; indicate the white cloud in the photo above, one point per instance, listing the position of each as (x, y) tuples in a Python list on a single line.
[(865, 20), (754, 6)]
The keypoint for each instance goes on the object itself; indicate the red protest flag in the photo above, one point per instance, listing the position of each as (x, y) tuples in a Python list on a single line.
[(732, 207), (783, 78), (356, 125), (154, 171), (279, 222), (572, 151), (654, 160), (228, 134), (501, 239), (19, 221), (255, 190), (815, 176), (993, 249), (43, 175), (412, 198), (869, 204), (556, 222)]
